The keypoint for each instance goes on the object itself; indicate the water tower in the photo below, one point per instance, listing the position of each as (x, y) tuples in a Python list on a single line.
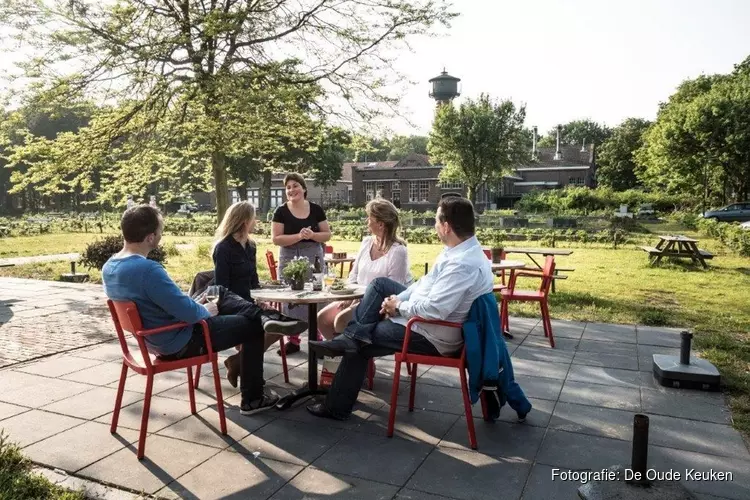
[(444, 88)]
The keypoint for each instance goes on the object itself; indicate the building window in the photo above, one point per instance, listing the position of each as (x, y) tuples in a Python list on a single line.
[(253, 196), (369, 190), (235, 196), (277, 196), (396, 192), (419, 191), (451, 185), (576, 181)]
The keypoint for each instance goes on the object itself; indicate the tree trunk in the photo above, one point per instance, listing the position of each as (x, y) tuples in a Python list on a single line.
[(218, 165), (265, 192), (471, 193), (242, 190)]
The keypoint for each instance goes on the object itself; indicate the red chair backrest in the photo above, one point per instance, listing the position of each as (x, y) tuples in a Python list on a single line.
[(329, 249), (547, 272), (271, 264), (487, 253), (126, 318)]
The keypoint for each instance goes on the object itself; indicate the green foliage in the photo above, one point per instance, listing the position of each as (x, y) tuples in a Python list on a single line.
[(478, 142), (297, 268), (98, 252), (573, 133), (616, 165), (170, 249), (402, 146), (730, 235), (18, 482), (582, 200), (203, 250)]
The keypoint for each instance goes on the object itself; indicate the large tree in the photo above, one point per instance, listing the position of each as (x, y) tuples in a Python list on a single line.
[(575, 133), (479, 141), (616, 165), (183, 61), (402, 146)]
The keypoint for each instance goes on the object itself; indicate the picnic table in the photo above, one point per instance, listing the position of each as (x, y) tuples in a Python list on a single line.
[(530, 252), (679, 247), (340, 261)]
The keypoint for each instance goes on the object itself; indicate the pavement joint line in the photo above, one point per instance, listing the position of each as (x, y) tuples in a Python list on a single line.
[(86, 480)]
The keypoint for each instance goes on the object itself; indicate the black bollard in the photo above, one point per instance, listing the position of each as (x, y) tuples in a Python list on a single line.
[(686, 338), (72, 267), (639, 463)]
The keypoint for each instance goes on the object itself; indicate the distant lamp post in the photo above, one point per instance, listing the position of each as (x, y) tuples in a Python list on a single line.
[(444, 88)]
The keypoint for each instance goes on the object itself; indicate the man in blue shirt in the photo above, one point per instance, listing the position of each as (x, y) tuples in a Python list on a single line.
[(131, 276), (461, 274)]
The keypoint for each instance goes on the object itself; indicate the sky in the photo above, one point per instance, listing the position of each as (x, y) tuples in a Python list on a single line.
[(605, 60)]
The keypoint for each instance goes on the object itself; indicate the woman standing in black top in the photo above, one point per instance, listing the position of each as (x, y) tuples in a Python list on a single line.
[(299, 229)]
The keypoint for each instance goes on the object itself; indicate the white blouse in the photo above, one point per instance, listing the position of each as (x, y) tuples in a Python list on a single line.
[(393, 265)]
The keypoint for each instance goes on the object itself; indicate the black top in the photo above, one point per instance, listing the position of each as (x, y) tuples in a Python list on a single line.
[(235, 267), (293, 225)]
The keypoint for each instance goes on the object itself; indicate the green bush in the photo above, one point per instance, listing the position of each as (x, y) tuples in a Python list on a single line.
[(585, 201), (731, 235), (170, 249), (98, 252), (203, 250)]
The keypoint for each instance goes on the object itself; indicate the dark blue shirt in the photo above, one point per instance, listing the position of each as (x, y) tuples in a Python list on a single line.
[(235, 267)]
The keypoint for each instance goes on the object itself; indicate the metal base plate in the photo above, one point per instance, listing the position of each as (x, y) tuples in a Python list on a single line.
[(699, 374)]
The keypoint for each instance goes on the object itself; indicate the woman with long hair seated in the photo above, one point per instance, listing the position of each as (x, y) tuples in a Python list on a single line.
[(381, 255)]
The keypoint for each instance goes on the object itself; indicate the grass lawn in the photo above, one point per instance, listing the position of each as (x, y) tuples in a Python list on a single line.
[(608, 285)]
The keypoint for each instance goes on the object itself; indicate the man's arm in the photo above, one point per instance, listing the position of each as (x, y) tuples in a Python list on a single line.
[(165, 293), (447, 291)]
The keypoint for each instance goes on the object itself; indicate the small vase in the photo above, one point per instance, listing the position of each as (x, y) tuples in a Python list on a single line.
[(497, 253), (297, 283)]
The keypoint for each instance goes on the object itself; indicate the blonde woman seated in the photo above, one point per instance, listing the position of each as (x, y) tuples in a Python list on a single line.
[(382, 255)]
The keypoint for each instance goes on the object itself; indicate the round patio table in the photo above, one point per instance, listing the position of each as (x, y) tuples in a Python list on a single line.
[(311, 299)]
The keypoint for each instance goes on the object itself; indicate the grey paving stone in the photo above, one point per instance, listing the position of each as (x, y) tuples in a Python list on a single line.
[(448, 471), (407, 494), (434, 398), (292, 442), (609, 332), (659, 336), (28, 428), (75, 448), (708, 407), (522, 325), (581, 452), (541, 485), (101, 374), (621, 398), (93, 403), (545, 354), (608, 347), (34, 391), (108, 351), (646, 355), (606, 360), (604, 376), (529, 368), (540, 387), (424, 426), (738, 488), (232, 475), (162, 381), (57, 365), (314, 483), (162, 413), (165, 460), (562, 329), (8, 410), (561, 343), (605, 422), (360, 413), (204, 428), (701, 437), (497, 439), (540, 415), (438, 375), (377, 458), (205, 394)]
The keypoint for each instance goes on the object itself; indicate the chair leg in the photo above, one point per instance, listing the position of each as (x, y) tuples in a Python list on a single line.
[(191, 390), (283, 360), (197, 379), (413, 386), (467, 409), (394, 398), (118, 398), (371, 374), (219, 396), (144, 417), (547, 323), (504, 315)]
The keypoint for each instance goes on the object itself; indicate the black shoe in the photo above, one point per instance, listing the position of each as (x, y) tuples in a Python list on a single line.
[(522, 417), (275, 322), (268, 400), (320, 410), (335, 347), (289, 348)]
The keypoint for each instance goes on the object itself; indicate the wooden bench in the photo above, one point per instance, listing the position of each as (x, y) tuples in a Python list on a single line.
[(651, 250)]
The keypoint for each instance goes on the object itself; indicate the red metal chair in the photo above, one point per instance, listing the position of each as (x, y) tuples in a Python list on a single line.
[(126, 318), (541, 295), (497, 288), (420, 359)]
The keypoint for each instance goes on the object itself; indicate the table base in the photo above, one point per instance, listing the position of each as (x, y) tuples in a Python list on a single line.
[(303, 392)]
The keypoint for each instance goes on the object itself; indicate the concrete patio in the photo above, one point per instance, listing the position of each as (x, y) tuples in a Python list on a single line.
[(585, 393)]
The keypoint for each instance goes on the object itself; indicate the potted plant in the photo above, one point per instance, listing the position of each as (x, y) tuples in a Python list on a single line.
[(496, 248), (297, 272)]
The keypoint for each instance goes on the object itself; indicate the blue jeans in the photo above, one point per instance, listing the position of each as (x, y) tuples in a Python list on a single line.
[(381, 337)]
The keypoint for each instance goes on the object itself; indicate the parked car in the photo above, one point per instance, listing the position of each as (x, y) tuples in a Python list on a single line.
[(745, 225), (736, 212)]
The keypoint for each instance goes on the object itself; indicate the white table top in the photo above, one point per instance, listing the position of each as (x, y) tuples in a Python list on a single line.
[(508, 264), (306, 296)]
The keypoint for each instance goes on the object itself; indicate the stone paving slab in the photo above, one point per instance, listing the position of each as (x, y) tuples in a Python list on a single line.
[(585, 394)]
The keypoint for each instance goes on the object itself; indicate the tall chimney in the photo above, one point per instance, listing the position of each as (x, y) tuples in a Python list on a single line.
[(533, 142), (558, 152), (583, 146)]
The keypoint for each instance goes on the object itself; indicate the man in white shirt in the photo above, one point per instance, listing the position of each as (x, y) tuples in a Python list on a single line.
[(461, 274)]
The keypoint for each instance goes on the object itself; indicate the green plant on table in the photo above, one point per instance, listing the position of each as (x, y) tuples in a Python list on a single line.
[(297, 269)]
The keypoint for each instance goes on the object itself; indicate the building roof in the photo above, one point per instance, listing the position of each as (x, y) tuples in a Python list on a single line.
[(572, 156)]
